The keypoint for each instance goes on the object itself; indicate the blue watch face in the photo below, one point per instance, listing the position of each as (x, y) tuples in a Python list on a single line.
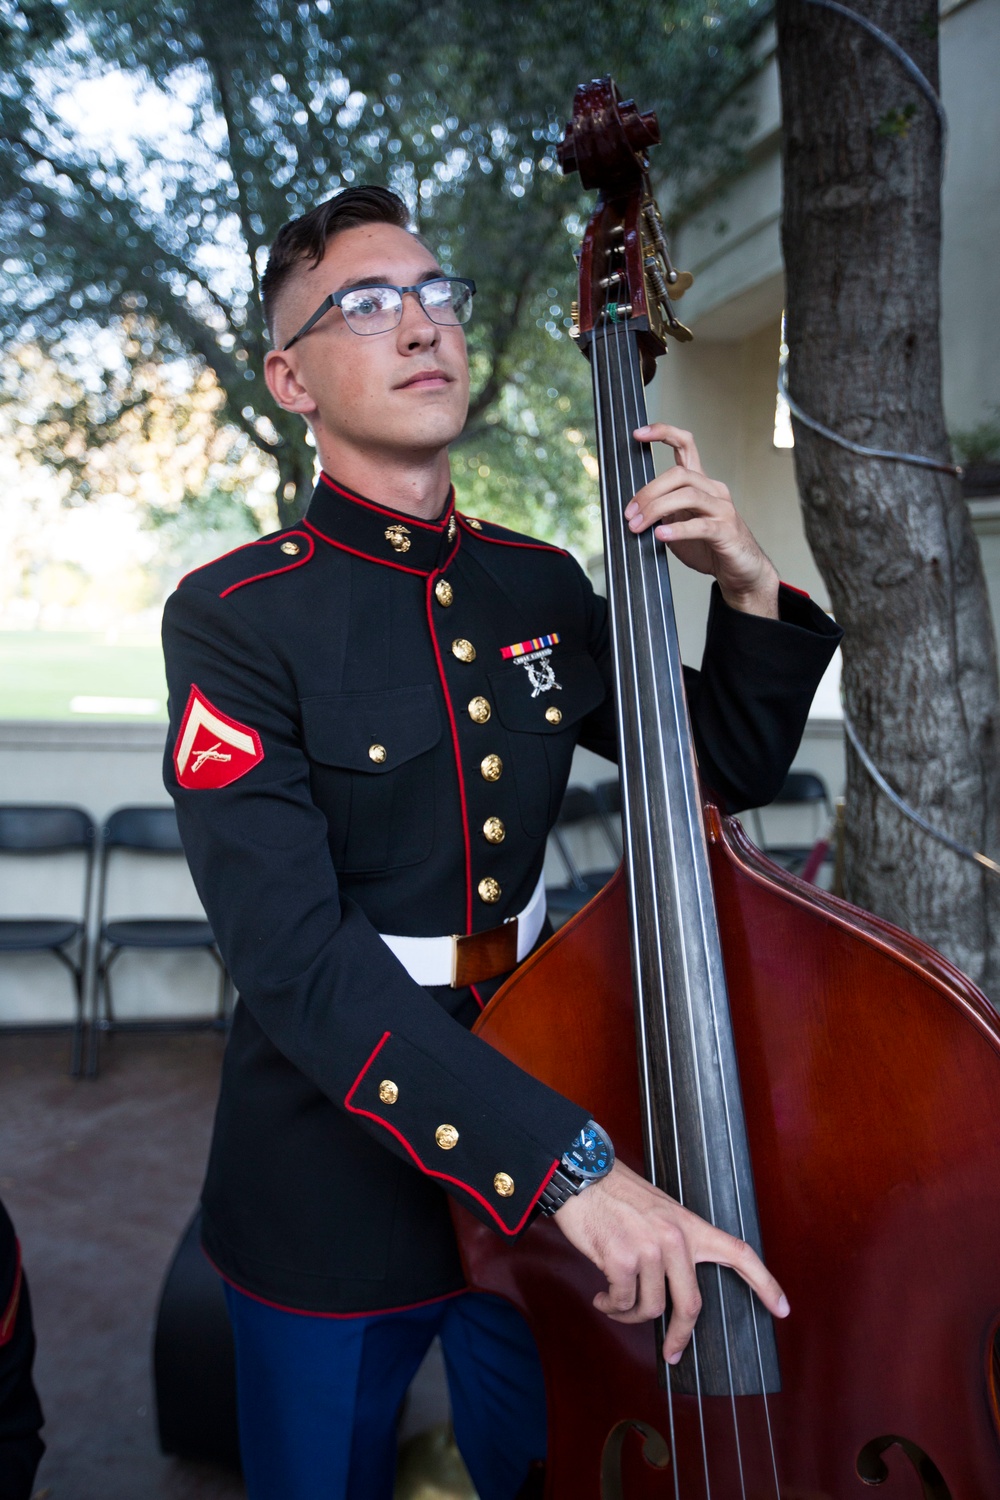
[(591, 1154)]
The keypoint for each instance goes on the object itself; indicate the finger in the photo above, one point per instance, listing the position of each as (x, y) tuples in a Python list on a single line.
[(685, 1300), (683, 444), (748, 1264), (620, 1297), (724, 1249), (670, 487), (680, 506), (698, 529), (652, 1298)]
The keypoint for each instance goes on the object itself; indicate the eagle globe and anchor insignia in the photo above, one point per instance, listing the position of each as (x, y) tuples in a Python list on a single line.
[(533, 655), (398, 538)]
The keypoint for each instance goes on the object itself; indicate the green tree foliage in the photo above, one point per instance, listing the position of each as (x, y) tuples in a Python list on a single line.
[(458, 106)]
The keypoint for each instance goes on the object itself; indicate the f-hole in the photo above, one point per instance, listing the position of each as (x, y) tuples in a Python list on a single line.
[(655, 1450), (872, 1467), (993, 1373)]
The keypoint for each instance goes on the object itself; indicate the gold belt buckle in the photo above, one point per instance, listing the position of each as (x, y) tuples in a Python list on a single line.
[(478, 956)]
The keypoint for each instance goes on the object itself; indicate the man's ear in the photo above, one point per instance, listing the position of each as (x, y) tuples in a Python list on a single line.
[(283, 382)]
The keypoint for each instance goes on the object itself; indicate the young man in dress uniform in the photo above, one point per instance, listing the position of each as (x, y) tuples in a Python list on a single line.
[(363, 765)]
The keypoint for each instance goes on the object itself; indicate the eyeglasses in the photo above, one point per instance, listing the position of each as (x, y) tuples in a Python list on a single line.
[(447, 300)]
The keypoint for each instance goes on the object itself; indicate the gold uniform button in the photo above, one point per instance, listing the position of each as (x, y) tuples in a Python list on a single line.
[(377, 753), (554, 715), (387, 1091), (443, 592), (489, 890), (479, 710), (464, 650), (504, 1184), (292, 548), (476, 525), (446, 1137), (491, 768), (494, 830)]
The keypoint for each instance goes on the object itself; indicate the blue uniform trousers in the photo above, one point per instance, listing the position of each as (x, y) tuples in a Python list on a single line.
[(319, 1397)]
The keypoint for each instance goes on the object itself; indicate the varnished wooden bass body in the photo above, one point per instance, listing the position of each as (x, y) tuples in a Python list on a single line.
[(871, 1087)]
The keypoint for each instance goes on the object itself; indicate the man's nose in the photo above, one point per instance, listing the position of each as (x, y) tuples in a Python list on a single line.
[(415, 328)]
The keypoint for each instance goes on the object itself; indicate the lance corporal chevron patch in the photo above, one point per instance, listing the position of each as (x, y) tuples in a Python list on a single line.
[(212, 749)]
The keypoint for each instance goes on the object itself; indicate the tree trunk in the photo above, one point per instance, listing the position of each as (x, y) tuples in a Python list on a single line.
[(861, 236)]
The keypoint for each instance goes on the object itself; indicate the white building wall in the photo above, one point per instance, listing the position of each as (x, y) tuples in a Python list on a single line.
[(722, 387)]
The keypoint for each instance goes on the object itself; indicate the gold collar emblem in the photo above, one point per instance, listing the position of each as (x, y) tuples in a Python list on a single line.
[(399, 537)]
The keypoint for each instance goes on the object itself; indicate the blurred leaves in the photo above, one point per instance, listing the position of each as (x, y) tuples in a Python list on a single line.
[(270, 106)]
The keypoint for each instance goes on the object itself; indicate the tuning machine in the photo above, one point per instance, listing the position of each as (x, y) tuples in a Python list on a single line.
[(666, 284)]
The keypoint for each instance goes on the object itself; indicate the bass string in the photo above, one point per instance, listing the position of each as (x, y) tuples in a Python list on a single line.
[(651, 557), (624, 451), (618, 447), (615, 541), (625, 539), (659, 615)]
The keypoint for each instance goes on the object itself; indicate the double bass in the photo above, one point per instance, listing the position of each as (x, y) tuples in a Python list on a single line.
[(794, 1069)]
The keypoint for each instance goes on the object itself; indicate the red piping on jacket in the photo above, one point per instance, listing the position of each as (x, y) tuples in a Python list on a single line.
[(791, 587), (9, 1319), (273, 572), (428, 1171), (262, 541), (384, 510), (499, 542), (457, 750), (305, 1312), (383, 562)]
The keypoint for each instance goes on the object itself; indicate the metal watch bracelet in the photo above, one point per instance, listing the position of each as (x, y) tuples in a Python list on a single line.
[(561, 1186)]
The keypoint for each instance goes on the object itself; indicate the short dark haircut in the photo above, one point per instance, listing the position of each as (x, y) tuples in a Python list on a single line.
[(304, 241)]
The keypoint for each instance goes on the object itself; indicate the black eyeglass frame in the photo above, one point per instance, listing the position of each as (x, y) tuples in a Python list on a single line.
[(336, 298)]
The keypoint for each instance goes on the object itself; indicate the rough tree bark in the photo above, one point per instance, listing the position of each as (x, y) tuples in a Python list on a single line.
[(861, 235)]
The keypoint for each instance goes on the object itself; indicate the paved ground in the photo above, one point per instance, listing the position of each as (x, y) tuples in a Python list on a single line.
[(100, 1178)]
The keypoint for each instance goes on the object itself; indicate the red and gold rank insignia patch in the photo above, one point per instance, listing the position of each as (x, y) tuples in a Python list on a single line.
[(212, 749)]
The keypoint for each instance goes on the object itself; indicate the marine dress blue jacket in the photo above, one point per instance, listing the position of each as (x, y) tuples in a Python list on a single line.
[(357, 747)]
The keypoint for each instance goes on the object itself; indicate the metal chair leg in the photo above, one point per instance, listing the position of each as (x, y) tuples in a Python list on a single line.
[(93, 1039), (79, 1029), (102, 988)]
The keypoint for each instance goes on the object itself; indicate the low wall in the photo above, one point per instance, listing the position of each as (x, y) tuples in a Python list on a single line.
[(101, 766)]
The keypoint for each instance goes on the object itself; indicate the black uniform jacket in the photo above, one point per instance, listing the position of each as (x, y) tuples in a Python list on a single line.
[(350, 703)]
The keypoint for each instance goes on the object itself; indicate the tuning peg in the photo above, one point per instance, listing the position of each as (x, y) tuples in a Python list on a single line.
[(678, 283)]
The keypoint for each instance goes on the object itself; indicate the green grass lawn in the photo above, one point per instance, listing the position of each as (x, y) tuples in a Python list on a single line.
[(42, 671)]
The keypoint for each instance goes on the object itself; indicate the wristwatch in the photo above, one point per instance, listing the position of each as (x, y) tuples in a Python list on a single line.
[(589, 1158)]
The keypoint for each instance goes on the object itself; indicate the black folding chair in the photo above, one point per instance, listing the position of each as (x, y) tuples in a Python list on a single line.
[(152, 831), (579, 807), (800, 789), (52, 828)]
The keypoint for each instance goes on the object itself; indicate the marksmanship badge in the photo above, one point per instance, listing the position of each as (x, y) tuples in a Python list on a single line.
[(533, 656), (212, 749)]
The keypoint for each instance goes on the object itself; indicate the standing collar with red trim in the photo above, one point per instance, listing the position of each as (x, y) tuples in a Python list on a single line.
[(355, 524), (376, 532)]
